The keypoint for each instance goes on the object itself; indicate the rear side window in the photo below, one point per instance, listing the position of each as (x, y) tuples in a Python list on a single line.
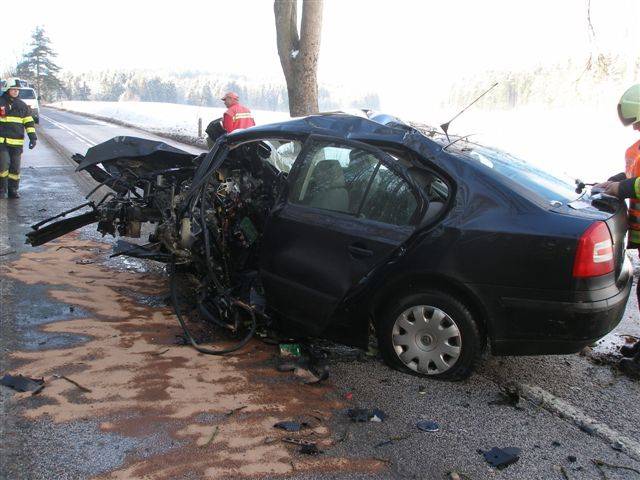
[(390, 199)]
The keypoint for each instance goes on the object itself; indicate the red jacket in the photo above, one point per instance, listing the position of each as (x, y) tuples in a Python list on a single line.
[(237, 117)]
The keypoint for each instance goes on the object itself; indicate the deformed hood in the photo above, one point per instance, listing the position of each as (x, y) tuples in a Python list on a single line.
[(159, 153)]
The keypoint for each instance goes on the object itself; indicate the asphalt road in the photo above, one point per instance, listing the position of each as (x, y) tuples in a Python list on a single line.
[(59, 313)]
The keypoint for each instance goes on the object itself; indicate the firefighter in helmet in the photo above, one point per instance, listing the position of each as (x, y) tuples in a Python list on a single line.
[(15, 120), (627, 185)]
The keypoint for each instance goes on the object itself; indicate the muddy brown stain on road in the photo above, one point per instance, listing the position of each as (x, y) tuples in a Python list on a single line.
[(139, 388)]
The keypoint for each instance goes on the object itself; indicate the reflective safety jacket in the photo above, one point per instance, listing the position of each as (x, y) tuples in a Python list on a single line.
[(15, 119), (237, 116), (630, 189)]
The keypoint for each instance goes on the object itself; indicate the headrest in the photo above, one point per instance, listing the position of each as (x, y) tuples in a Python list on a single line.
[(328, 174)]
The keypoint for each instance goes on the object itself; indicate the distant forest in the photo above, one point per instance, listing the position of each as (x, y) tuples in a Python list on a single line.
[(586, 82), (194, 88)]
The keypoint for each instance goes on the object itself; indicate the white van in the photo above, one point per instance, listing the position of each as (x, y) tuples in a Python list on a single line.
[(30, 97)]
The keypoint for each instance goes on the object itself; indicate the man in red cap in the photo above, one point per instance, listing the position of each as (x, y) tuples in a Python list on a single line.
[(237, 116)]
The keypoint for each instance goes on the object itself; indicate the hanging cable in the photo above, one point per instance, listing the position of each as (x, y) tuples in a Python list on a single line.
[(235, 303)]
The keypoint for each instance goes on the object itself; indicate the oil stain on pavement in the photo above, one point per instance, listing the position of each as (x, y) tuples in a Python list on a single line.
[(185, 414)]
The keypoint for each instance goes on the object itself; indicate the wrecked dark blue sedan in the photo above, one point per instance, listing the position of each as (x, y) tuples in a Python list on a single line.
[(338, 226)]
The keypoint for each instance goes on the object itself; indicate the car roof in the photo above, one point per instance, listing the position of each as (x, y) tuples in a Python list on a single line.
[(344, 126)]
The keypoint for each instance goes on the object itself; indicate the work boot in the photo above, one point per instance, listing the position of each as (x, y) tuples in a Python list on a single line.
[(630, 351), (631, 366), (14, 194)]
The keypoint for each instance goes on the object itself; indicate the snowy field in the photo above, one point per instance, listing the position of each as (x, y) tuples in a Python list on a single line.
[(585, 142), (170, 118)]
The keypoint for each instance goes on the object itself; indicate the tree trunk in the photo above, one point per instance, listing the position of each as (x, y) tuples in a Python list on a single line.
[(299, 53)]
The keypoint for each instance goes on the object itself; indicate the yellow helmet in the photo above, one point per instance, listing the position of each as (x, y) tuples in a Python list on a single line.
[(629, 106)]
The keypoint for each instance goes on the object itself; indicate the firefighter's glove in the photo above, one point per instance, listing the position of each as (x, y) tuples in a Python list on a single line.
[(32, 143)]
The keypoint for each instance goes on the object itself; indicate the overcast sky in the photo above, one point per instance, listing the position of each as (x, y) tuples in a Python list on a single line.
[(384, 46)]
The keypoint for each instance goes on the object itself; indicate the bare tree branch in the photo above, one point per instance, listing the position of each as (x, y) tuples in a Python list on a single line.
[(591, 30)]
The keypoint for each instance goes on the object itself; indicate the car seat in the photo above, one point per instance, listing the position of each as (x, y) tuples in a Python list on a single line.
[(327, 187)]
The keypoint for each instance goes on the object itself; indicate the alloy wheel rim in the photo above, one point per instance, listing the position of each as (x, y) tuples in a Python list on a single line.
[(426, 339)]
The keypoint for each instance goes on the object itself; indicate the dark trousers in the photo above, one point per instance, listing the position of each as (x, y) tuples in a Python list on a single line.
[(10, 158)]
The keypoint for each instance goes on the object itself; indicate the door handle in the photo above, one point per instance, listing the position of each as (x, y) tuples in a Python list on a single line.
[(358, 251)]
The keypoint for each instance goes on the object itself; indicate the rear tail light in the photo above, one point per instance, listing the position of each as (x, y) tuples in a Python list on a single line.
[(595, 252)]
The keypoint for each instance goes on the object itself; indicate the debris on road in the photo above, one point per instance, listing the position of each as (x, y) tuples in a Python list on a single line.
[(311, 378), (422, 389), (213, 435), (453, 475), (161, 352), (305, 366), (392, 440), (630, 367), (562, 471), (85, 261), (509, 395), (84, 389), (306, 447), (297, 441), (21, 383), (310, 449), (348, 396), (236, 410), (359, 415), (290, 426), (617, 446), (502, 457), (428, 426), (288, 350), (599, 464)]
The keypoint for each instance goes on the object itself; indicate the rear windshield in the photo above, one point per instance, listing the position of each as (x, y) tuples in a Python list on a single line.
[(544, 184), (27, 93)]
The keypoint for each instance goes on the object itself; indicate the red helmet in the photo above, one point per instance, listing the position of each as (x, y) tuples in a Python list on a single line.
[(231, 95)]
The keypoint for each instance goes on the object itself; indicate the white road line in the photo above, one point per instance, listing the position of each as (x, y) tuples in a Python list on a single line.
[(69, 130)]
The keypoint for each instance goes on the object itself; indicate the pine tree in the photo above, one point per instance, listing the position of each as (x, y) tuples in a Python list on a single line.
[(38, 66)]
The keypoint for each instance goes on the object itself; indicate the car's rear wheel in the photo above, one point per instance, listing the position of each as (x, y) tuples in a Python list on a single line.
[(431, 334)]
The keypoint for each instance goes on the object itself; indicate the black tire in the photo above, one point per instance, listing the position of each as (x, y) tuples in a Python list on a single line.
[(470, 339)]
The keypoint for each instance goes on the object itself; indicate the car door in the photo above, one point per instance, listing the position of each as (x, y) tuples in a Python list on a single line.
[(347, 207)]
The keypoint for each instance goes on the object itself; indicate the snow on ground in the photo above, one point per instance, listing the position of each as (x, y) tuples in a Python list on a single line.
[(159, 117), (580, 142)]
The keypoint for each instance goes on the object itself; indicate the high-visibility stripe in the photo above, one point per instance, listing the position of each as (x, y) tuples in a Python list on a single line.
[(636, 187), (14, 176), (4, 173), (31, 130), (238, 116), (11, 119), (1, 139), (27, 119), (14, 141)]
